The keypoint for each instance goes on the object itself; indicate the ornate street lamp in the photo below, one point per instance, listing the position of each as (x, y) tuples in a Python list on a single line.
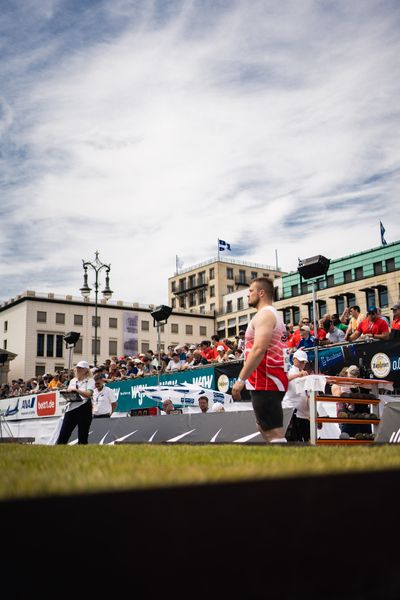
[(85, 290)]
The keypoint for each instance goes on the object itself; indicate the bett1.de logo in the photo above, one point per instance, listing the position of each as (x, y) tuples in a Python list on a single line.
[(46, 404)]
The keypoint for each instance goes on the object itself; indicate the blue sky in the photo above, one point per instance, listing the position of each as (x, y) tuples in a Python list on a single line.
[(147, 130)]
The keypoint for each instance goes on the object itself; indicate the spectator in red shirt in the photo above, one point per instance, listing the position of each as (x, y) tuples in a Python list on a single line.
[(396, 316), (207, 352), (372, 327)]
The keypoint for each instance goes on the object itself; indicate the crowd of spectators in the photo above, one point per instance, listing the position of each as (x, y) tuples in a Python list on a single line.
[(350, 326), (176, 358)]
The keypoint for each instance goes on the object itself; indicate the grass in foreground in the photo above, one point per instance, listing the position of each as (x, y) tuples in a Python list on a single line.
[(33, 470)]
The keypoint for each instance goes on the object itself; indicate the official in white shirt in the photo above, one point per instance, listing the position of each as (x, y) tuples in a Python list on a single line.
[(78, 413), (104, 402)]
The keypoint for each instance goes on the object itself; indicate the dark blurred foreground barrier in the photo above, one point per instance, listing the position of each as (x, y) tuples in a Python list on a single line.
[(314, 537)]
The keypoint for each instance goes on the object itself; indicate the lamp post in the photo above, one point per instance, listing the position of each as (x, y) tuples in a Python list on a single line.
[(160, 316), (85, 290)]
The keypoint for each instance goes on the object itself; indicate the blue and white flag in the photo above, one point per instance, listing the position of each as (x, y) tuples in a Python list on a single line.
[(383, 241), (223, 245)]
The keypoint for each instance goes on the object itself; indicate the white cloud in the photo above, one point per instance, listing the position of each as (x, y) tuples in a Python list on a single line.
[(159, 137)]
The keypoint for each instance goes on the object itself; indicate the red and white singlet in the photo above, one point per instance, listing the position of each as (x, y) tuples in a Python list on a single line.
[(270, 374)]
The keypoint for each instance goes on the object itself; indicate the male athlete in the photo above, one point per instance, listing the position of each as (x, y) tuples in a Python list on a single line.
[(263, 372)]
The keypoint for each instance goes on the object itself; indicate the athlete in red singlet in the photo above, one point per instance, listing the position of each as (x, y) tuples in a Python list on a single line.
[(263, 371)]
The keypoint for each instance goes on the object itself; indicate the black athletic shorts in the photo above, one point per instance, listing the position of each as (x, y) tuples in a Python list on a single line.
[(267, 408)]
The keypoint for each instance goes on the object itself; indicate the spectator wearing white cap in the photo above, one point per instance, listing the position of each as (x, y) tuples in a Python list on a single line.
[(299, 427), (78, 413), (307, 340), (221, 355)]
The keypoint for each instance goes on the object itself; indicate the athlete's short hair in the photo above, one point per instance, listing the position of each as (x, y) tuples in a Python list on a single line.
[(266, 284)]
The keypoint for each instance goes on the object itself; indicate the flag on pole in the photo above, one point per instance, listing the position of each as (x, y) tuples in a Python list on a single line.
[(383, 241), (223, 246)]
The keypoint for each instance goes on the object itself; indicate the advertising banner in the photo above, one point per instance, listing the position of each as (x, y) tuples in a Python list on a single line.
[(376, 359), (130, 333)]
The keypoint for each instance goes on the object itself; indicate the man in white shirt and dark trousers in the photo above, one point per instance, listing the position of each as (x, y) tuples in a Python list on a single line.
[(78, 413), (104, 402)]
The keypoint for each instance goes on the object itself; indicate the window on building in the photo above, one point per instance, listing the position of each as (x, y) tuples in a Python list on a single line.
[(358, 273), (113, 347), (145, 325), (40, 370), (240, 304), (192, 281), (203, 331), (229, 306), (94, 347), (351, 299), (202, 296), (5, 344), (254, 275), (49, 345), (173, 286), (212, 291), (94, 321), (41, 316), (212, 273), (112, 323), (296, 315), (242, 276), (330, 280), (383, 297), (390, 266), (202, 278), (295, 289), (212, 307), (370, 297), (78, 346), (192, 299), (322, 284), (304, 287), (182, 285), (231, 327), (145, 346), (311, 313), (202, 310), (321, 308), (59, 346), (60, 318), (378, 268), (229, 273), (189, 329), (221, 329), (287, 315), (78, 319), (5, 325), (339, 305), (173, 303), (182, 302), (229, 289), (58, 368), (174, 328), (347, 276)]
